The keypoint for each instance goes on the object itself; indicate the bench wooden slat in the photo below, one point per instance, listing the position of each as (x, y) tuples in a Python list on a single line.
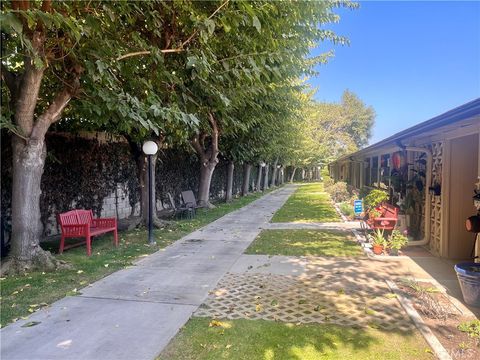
[(386, 221)]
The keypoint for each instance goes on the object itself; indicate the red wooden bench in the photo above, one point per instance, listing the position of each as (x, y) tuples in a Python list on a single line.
[(81, 224), (385, 221)]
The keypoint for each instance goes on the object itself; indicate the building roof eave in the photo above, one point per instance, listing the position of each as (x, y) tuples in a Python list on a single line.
[(463, 112)]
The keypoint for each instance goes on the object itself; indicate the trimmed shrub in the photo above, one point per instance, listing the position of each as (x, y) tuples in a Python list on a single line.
[(339, 192)]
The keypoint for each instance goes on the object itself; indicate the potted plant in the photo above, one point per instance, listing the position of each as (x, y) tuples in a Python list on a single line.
[(375, 198), (378, 241), (396, 241)]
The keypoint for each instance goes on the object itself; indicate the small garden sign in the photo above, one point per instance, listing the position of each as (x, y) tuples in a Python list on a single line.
[(358, 207)]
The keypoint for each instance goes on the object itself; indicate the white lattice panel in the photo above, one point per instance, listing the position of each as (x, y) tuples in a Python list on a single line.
[(435, 202)]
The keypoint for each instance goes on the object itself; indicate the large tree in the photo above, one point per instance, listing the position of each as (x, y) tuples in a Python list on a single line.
[(53, 52)]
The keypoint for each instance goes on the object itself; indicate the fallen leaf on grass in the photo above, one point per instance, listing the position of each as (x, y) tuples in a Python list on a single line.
[(228, 346), (31, 323), (106, 265), (373, 325), (73, 292), (370, 311), (79, 271), (216, 323)]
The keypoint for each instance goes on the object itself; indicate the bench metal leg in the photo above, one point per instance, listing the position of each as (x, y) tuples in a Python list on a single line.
[(89, 246), (62, 245)]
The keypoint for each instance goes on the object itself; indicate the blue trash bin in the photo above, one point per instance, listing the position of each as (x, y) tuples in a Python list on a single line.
[(468, 274)]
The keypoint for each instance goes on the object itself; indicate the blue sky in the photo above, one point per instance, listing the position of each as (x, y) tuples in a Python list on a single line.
[(410, 60)]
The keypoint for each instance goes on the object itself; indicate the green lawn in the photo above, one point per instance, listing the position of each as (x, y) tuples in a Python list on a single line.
[(305, 243), (308, 204), (22, 295), (260, 339)]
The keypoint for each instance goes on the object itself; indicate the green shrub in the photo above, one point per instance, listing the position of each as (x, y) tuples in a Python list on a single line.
[(327, 182), (375, 198), (339, 192)]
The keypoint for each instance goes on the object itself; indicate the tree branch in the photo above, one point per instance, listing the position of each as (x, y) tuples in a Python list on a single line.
[(196, 30), (148, 52), (195, 142), (56, 108), (180, 49), (47, 5), (20, 4), (214, 126), (52, 114), (202, 138)]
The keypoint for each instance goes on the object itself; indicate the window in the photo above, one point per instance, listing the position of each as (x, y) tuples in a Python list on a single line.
[(374, 176)]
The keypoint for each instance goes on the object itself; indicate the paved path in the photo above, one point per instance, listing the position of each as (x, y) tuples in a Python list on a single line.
[(133, 313)]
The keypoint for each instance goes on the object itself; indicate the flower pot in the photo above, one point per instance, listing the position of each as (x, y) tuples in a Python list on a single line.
[(468, 275), (393, 252), (378, 249)]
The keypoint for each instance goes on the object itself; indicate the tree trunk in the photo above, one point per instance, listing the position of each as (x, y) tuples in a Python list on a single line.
[(265, 179), (29, 152), (28, 162), (274, 174), (259, 178), (292, 177), (230, 168), (247, 168), (206, 172), (208, 156), (26, 253)]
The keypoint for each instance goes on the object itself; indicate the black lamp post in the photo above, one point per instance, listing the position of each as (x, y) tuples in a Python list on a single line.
[(150, 148)]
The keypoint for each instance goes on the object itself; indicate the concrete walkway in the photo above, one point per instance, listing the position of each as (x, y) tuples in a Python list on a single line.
[(133, 313)]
